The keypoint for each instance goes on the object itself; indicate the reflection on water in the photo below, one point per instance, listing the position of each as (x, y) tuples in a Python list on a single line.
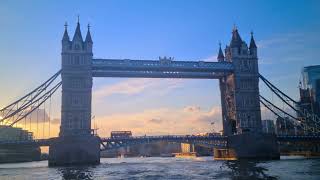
[(78, 172), (246, 169)]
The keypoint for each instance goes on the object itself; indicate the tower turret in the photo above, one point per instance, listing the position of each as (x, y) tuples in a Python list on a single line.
[(65, 39), (88, 41), (77, 41), (220, 54), (253, 46), (236, 42)]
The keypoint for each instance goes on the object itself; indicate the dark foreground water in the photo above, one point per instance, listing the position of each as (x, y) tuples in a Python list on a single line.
[(169, 168)]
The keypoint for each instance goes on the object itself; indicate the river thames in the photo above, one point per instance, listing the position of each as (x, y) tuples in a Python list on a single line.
[(169, 168)]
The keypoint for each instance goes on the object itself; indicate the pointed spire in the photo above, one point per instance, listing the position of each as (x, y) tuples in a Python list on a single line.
[(65, 34), (77, 34), (88, 37), (220, 54), (236, 40), (252, 42)]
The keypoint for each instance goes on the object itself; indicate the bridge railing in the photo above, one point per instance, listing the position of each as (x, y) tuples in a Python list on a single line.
[(207, 141), (164, 137), (127, 64)]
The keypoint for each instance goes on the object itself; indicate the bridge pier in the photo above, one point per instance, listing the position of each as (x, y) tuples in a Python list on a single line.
[(249, 146), (75, 150)]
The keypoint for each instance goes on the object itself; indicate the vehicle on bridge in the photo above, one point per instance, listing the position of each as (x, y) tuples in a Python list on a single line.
[(121, 134)]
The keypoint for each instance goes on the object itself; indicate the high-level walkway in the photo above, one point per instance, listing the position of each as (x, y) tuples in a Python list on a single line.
[(163, 68)]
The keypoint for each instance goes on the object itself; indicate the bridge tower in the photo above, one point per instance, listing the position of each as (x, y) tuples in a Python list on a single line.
[(242, 87), (77, 144), (241, 103)]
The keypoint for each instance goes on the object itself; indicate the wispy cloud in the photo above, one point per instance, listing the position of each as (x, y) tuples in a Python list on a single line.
[(156, 120), (136, 86), (162, 121), (289, 47), (211, 58), (192, 109), (290, 38)]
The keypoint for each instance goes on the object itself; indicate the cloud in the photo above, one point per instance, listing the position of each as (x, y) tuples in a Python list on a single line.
[(128, 87), (211, 58), (289, 47), (137, 86), (285, 38), (214, 115), (192, 109), (156, 120), (162, 121)]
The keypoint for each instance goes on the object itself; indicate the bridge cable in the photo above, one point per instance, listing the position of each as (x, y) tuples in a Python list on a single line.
[(44, 118), (44, 98), (9, 111), (41, 87), (278, 108), (49, 80), (38, 122), (30, 122), (279, 116), (277, 91), (49, 116), (271, 109), (301, 124), (274, 87)]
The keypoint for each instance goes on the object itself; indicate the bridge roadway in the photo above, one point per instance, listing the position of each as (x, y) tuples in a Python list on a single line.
[(207, 141), (163, 68)]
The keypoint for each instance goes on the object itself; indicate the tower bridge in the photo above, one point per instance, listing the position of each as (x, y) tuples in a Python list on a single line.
[(236, 69)]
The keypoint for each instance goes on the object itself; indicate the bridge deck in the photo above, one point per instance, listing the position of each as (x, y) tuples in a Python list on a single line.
[(159, 69)]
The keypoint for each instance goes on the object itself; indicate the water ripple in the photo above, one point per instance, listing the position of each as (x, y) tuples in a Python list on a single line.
[(168, 168)]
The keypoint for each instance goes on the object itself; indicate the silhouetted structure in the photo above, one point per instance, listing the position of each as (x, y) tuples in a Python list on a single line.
[(309, 95), (285, 126), (268, 126)]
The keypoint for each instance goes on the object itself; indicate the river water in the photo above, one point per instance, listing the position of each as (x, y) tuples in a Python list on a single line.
[(169, 168)]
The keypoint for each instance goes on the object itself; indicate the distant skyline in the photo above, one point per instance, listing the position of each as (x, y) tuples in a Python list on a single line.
[(287, 35)]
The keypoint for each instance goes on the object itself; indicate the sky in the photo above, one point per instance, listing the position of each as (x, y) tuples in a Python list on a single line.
[(286, 32)]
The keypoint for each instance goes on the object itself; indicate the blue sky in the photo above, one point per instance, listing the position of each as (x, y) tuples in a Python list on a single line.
[(287, 34)]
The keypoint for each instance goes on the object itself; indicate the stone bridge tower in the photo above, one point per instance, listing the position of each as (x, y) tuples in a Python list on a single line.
[(77, 144), (76, 84), (241, 89), (241, 104)]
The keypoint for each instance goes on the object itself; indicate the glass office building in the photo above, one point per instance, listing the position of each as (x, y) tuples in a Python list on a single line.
[(310, 80)]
